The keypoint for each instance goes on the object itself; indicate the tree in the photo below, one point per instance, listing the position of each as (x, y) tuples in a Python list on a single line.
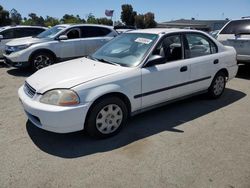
[(104, 21), (91, 19), (15, 16), (139, 21), (149, 19), (34, 20), (4, 17), (128, 14), (70, 18), (50, 21)]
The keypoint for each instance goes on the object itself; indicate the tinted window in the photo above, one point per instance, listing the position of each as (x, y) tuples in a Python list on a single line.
[(34, 31), (170, 48), (7, 34), (237, 27), (94, 32), (199, 45), (73, 34)]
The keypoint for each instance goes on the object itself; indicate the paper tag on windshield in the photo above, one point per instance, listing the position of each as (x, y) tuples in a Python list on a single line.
[(143, 40)]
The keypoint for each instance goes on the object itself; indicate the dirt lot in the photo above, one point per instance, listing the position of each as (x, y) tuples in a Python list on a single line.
[(192, 143)]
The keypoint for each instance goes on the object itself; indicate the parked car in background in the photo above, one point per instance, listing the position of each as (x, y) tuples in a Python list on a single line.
[(9, 33), (134, 72), (237, 34), (123, 28), (59, 43), (214, 33)]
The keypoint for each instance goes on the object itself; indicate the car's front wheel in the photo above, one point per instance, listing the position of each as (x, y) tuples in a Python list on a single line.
[(41, 60), (218, 85), (106, 117)]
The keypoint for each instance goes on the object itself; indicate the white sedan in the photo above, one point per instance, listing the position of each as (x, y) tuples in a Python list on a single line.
[(134, 72)]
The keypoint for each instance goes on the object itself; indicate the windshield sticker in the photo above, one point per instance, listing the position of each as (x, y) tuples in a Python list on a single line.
[(143, 40)]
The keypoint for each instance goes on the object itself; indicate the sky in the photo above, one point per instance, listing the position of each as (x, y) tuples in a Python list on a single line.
[(164, 10)]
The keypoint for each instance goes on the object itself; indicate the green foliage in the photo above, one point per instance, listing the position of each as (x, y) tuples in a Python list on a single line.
[(139, 21), (33, 20), (104, 21), (145, 21), (149, 19), (50, 21), (128, 14), (15, 17), (91, 19), (70, 18), (4, 17)]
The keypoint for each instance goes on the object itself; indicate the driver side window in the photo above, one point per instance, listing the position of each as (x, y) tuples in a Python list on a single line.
[(73, 33), (170, 48)]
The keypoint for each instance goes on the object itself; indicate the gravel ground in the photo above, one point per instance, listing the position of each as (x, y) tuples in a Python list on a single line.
[(191, 143)]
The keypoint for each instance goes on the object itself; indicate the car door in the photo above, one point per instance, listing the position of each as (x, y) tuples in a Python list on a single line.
[(8, 35), (69, 48), (93, 38), (204, 60), (170, 79)]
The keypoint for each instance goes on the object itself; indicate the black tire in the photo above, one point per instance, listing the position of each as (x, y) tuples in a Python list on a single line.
[(47, 59), (217, 87), (91, 124)]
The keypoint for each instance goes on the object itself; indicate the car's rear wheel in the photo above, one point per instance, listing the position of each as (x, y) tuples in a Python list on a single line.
[(218, 85), (106, 117), (41, 60)]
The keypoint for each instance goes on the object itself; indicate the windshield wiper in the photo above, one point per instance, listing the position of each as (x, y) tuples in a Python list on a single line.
[(103, 60)]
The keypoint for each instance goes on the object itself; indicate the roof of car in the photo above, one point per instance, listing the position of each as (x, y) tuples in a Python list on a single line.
[(161, 30), (22, 26), (77, 25)]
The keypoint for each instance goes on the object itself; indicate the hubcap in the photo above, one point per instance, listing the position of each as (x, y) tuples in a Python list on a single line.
[(109, 119), (219, 85), (42, 61)]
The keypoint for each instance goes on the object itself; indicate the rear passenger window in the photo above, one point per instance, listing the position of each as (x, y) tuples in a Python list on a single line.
[(88, 32), (199, 45)]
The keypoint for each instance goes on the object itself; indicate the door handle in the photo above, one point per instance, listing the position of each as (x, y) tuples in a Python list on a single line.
[(184, 69), (216, 61)]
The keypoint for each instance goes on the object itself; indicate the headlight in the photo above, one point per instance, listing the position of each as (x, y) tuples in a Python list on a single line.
[(17, 48), (61, 97)]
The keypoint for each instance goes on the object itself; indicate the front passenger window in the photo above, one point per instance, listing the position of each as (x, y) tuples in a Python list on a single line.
[(170, 48)]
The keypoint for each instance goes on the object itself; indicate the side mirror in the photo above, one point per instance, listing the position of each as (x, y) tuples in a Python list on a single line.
[(63, 37), (155, 60), (1, 37)]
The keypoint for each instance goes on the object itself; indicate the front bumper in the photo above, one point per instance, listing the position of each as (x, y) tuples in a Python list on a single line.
[(15, 64), (53, 118)]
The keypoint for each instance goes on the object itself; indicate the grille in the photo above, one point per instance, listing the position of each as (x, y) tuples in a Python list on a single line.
[(30, 91)]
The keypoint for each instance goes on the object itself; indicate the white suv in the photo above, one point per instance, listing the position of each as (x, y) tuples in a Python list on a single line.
[(9, 33), (61, 42), (237, 34)]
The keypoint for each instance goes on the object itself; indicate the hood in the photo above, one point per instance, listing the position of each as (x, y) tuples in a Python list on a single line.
[(70, 74), (26, 40)]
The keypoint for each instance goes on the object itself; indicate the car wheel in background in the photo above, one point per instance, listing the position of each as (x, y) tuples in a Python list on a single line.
[(218, 85), (41, 60), (106, 117)]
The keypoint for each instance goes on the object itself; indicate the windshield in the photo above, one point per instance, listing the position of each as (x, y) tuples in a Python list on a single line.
[(50, 33), (128, 49)]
